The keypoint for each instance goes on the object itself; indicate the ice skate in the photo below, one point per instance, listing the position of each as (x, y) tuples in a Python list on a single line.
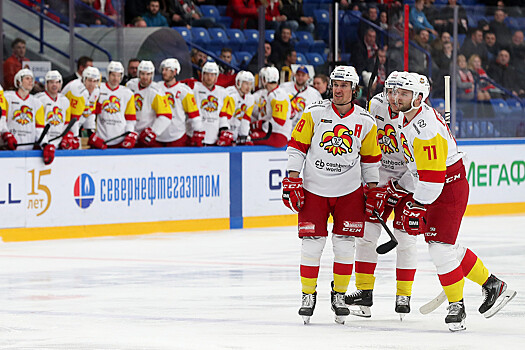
[(402, 305), (338, 306), (362, 299), (496, 296), (308, 306), (456, 316)]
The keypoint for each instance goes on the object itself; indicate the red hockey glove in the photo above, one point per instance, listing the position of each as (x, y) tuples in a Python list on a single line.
[(225, 139), (68, 141), (394, 194), (244, 141), (256, 126), (10, 140), (129, 140), (413, 219), (96, 142), (197, 138), (375, 200), (293, 194), (49, 153), (147, 136)]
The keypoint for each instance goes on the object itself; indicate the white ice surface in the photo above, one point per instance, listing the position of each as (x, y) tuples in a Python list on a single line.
[(236, 289)]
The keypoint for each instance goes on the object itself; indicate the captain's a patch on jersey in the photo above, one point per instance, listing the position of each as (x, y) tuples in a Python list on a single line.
[(329, 121)]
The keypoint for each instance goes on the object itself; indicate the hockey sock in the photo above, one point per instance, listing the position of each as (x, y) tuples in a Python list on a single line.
[(473, 268), (309, 278), (449, 270), (364, 275), (342, 274), (406, 262), (344, 248), (405, 279), (311, 251), (366, 256), (453, 283)]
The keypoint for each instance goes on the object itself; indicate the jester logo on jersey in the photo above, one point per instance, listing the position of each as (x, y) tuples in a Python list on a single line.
[(169, 97), (210, 104), (298, 105), (111, 105), (338, 141), (23, 116), (240, 112), (262, 108), (139, 100), (406, 151), (387, 139), (55, 116)]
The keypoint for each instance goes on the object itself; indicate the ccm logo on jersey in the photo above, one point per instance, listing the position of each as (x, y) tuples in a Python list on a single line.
[(352, 226), (452, 178)]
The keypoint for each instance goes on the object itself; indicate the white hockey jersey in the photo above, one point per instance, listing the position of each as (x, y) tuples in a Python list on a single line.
[(57, 113), (429, 148), (24, 118), (299, 100), (278, 112), (115, 113), (2, 102), (182, 102), (336, 151), (243, 109), (393, 164), (150, 104), (259, 108), (214, 112), (82, 104)]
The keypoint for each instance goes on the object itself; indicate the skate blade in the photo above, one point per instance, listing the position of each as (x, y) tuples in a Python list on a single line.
[(505, 298), (457, 326), (340, 319), (364, 311), (306, 319)]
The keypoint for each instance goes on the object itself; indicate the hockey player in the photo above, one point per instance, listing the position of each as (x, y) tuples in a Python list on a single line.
[(182, 102), (2, 102), (277, 113), (301, 94), (214, 111), (24, 120), (153, 110), (439, 201), (115, 110), (57, 111), (243, 102), (336, 142), (393, 178), (259, 97)]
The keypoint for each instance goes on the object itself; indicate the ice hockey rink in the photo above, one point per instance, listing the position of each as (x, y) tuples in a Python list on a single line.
[(236, 289)]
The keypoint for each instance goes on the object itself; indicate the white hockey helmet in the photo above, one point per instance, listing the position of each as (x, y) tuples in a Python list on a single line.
[(392, 81), (244, 76), (271, 75), (146, 66), (53, 75), (171, 63), (210, 67), (117, 67), (91, 73), (416, 83), (20, 75), (345, 73), (262, 78)]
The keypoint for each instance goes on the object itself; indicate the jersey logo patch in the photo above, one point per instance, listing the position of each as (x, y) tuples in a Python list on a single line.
[(169, 97), (55, 116), (139, 101), (239, 112), (298, 105), (210, 104), (387, 139), (406, 151), (111, 105), (23, 116), (326, 121), (338, 141)]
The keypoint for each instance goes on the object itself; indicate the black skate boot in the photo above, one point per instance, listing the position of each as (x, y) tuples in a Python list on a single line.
[(495, 296), (456, 316), (361, 298), (402, 305), (338, 306), (308, 306)]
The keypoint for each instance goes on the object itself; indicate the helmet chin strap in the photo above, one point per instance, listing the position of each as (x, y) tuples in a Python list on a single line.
[(341, 104)]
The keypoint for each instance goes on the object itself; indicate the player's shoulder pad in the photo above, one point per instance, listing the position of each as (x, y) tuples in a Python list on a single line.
[(364, 113), (379, 98), (321, 104)]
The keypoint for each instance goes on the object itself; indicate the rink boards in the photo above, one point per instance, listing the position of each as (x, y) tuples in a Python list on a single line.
[(90, 193)]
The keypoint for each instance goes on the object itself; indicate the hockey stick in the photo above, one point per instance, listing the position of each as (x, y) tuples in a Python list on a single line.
[(119, 136), (388, 246), (297, 93), (42, 135), (371, 81), (447, 99), (268, 134), (66, 130), (433, 304)]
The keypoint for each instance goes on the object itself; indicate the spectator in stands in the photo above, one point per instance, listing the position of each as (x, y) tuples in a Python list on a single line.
[(365, 51), (445, 18), (133, 66), (492, 47), (227, 56), (185, 13), (418, 61), (484, 87), (383, 21), (505, 74), (280, 45), (286, 69), (254, 63), (273, 15), (498, 26), (437, 45), (153, 17), (198, 58), (138, 22), (243, 13), (419, 21), (442, 60), (382, 73), (82, 63), (296, 19), (517, 50), (321, 83), (474, 45), (464, 80), (14, 63), (104, 6), (371, 15)]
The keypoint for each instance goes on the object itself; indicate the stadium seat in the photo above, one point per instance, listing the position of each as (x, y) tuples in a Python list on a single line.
[(210, 11), (237, 39), (269, 35), (252, 40), (221, 9), (184, 32), (438, 104), (346, 57), (301, 58), (322, 23), (219, 39), (243, 58), (200, 36), (500, 107), (319, 46), (305, 40), (225, 21), (515, 107), (315, 59)]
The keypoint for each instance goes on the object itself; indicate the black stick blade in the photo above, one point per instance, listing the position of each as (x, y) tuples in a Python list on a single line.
[(386, 247)]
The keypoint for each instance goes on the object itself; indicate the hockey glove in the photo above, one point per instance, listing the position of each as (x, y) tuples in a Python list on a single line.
[(225, 138), (96, 142), (413, 218), (69, 141), (10, 140), (49, 153), (244, 141), (147, 136), (256, 126), (129, 140), (293, 193), (197, 138), (394, 194), (375, 200)]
